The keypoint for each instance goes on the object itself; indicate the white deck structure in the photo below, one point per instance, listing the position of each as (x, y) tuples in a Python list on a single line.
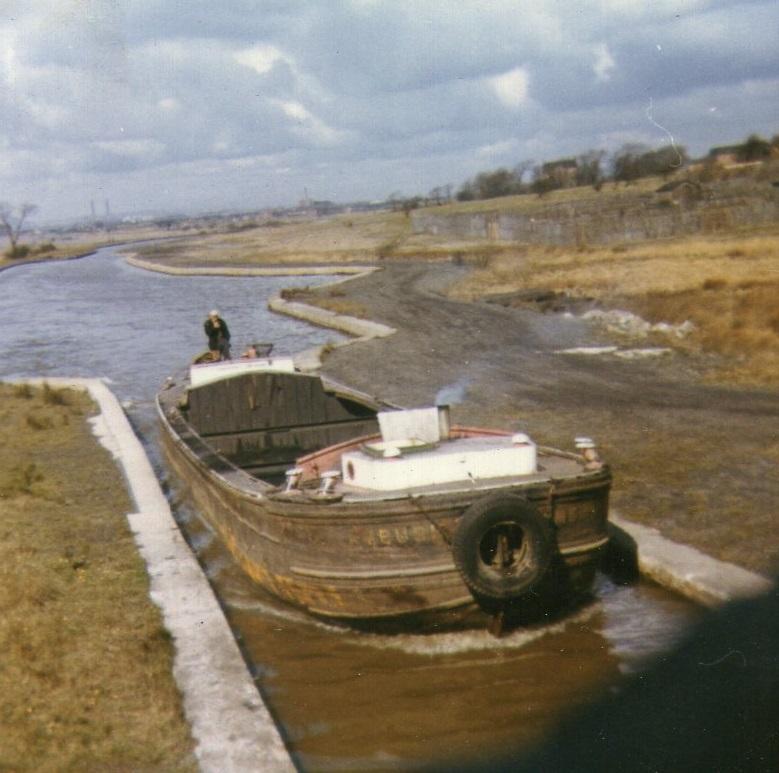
[(416, 451)]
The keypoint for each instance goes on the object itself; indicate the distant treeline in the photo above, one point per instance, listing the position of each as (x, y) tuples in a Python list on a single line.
[(631, 162)]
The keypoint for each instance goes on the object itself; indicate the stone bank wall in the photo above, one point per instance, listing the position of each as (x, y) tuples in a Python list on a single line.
[(685, 210)]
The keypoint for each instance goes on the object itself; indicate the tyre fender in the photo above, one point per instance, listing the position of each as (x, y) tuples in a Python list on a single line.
[(503, 547)]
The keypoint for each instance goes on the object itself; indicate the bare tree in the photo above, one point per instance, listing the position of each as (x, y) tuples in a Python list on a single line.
[(11, 221), (589, 167), (520, 172)]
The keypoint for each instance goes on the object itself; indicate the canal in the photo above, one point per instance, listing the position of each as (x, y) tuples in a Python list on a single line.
[(344, 700)]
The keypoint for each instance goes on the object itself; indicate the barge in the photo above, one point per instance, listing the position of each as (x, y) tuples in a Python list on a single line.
[(356, 510)]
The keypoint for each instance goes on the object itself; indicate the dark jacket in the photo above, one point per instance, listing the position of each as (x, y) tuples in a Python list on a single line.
[(216, 335)]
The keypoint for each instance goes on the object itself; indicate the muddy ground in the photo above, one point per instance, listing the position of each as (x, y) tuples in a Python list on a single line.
[(697, 461)]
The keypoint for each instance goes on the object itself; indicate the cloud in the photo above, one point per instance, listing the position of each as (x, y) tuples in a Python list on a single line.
[(368, 96), (261, 58), (604, 62), (309, 126), (511, 87)]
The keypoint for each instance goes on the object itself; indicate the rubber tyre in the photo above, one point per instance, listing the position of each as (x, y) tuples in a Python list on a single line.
[(530, 533)]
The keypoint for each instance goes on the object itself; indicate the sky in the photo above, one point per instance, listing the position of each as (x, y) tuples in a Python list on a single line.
[(185, 106)]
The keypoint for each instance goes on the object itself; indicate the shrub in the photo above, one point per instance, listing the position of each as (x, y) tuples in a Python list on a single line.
[(23, 391), (387, 250), (17, 252), (39, 422), (54, 396)]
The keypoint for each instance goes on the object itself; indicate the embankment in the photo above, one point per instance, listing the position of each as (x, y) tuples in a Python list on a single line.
[(592, 218)]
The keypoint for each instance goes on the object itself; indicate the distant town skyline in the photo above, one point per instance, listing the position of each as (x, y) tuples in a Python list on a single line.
[(240, 105)]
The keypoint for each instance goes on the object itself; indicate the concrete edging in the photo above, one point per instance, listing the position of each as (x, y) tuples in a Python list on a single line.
[(232, 728), (148, 265), (683, 569), (361, 328)]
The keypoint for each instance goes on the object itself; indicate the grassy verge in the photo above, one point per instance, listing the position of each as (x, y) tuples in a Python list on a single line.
[(50, 251), (364, 237), (727, 286), (86, 665), (611, 194), (333, 299), (75, 244), (331, 240)]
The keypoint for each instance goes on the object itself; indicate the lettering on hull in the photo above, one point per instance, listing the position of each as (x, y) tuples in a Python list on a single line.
[(393, 536)]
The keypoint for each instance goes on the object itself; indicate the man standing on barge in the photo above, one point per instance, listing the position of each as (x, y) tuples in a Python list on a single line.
[(218, 335)]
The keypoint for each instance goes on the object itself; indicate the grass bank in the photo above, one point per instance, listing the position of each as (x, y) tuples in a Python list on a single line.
[(726, 285), (51, 251), (77, 243), (352, 238), (86, 672)]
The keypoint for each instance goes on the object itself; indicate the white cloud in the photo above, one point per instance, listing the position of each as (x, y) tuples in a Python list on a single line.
[(8, 58), (604, 63), (308, 126), (259, 58), (46, 114), (511, 87), (296, 111)]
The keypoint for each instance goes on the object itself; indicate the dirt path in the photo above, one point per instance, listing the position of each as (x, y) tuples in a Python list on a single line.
[(696, 461)]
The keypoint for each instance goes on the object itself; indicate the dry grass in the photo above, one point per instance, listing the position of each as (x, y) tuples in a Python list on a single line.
[(727, 286), (75, 244), (86, 666), (332, 240), (610, 193), (355, 238), (55, 252), (332, 299), (740, 320)]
